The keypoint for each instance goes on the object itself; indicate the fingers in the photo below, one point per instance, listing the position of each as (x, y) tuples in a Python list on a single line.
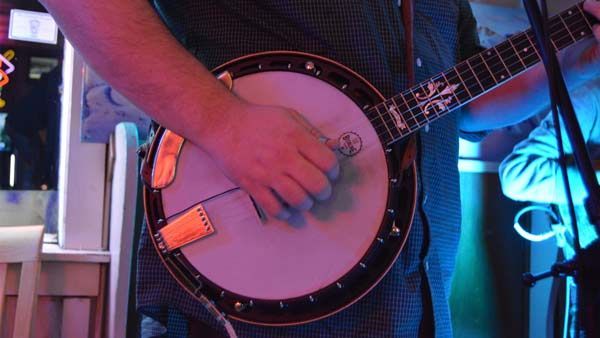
[(292, 193), (291, 169), (593, 7), (301, 183), (310, 178), (269, 202), (285, 192), (280, 195), (320, 155), (596, 30)]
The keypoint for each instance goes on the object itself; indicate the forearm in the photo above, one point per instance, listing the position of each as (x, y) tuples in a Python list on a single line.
[(508, 104), (538, 179), (528, 93), (126, 43)]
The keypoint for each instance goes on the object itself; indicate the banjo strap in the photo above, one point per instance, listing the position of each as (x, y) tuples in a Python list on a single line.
[(408, 12), (409, 52)]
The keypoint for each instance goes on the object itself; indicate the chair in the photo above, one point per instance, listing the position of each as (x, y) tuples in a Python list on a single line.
[(21, 244), (122, 224)]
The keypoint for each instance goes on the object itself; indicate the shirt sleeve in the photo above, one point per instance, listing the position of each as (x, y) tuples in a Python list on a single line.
[(468, 37), (532, 171)]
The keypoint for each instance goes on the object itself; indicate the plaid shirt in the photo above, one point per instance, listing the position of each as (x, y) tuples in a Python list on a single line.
[(367, 36)]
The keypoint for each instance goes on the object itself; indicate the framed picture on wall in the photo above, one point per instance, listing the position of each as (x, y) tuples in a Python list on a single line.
[(103, 108)]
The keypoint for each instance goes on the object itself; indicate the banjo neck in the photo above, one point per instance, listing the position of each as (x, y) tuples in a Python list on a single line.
[(416, 107)]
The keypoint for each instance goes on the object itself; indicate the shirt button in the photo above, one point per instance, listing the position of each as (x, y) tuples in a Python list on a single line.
[(419, 62), (425, 196), (426, 128), (426, 265)]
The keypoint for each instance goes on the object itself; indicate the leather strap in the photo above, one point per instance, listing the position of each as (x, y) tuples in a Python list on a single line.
[(410, 151), (408, 19)]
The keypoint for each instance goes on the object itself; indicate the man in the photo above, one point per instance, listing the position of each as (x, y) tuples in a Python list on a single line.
[(164, 72), (532, 171)]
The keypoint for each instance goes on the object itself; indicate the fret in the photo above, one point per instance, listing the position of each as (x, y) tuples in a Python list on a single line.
[(446, 99), (508, 72), (419, 115), (486, 66), (493, 60), (526, 50), (468, 77), (476, 75), (484, 75), (507, 54), (441, 96), (558, 36), (578, 25), (382, 125), (458, 100), (554, 32), (517, 52), (584, 15), (566, 27), (390, 115), (462, 92), (400, 118), (556, 49), (533, 46), (379, 125), (408, 116), (395, 122), (423, 96)]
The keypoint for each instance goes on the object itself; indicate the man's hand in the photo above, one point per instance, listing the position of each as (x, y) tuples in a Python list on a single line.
[(528, 94), (583, 61), (272, 154), (268, 151)]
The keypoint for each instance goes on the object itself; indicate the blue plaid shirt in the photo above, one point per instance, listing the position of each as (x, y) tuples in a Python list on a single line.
[(367, 36)]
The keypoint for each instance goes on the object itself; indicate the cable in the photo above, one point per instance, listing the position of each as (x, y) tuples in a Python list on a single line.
[(218, 315), (557, 228)]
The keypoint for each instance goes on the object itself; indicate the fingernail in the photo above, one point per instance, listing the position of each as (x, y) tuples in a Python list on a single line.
[(306, 205), (332, 144), (284, 215), (334, 173), (325, 194)]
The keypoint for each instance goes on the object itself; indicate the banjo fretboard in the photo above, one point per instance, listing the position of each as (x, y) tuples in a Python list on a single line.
[(424, 103)]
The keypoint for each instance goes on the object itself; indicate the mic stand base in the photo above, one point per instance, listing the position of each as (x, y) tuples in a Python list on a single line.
[(585, 269)]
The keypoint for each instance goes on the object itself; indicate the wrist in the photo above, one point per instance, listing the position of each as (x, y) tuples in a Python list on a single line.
[(218, 120)]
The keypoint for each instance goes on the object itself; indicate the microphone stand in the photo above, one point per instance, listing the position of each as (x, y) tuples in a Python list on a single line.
[(585, 266)]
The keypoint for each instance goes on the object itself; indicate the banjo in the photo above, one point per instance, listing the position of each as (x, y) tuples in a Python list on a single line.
[(221, 248)]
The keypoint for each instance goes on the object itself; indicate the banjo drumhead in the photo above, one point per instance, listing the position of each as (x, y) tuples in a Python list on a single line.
[(276, 259)]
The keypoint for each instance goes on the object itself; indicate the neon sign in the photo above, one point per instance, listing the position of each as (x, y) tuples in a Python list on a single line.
[(6, 67)]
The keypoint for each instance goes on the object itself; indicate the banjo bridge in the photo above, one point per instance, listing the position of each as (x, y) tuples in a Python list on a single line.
[(193, 225)]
